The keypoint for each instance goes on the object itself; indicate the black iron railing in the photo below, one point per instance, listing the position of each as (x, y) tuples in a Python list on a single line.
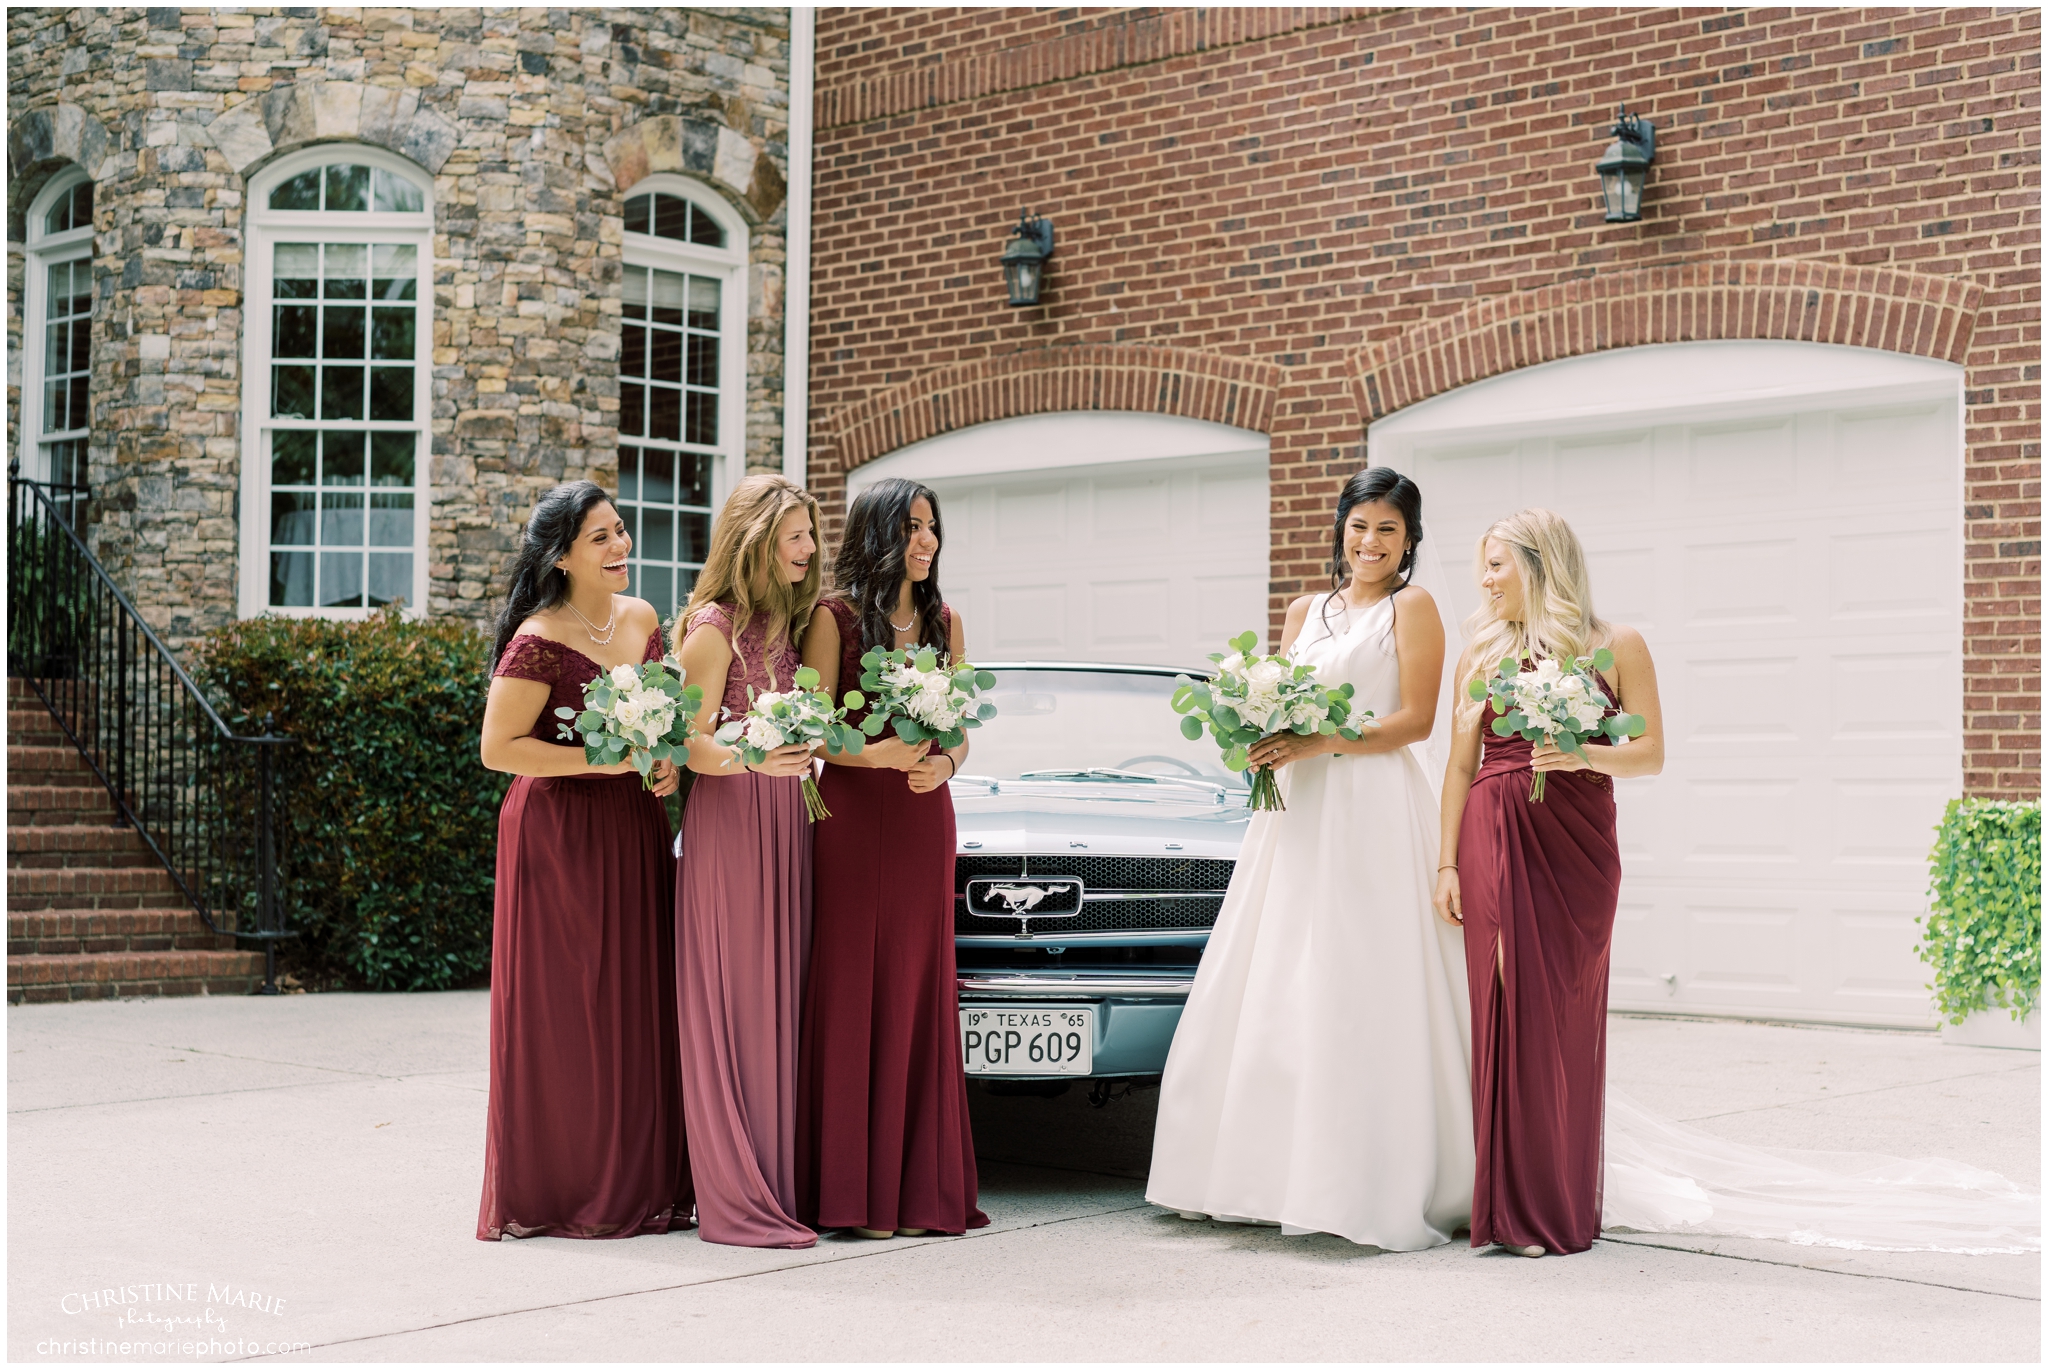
[(203, 797)]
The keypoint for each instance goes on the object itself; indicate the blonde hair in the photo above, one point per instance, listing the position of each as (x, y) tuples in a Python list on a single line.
[(739, 568), (1558, 621)]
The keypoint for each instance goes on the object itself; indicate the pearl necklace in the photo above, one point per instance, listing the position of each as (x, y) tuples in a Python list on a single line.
[(591, 630)]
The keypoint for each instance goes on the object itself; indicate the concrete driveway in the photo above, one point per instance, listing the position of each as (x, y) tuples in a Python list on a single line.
[(303, 1172)]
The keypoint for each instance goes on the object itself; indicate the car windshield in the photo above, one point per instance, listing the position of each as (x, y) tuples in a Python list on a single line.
[(1093, 722)]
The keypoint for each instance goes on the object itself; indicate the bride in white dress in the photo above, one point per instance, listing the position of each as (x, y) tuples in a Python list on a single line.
[(1320, 1078)]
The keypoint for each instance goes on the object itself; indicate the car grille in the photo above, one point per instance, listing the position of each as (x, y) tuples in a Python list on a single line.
[(1102, 875)]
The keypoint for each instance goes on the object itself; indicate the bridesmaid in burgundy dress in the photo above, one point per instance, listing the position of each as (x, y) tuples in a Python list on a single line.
[(743, 890), (883, 1145), (1534, 885), (585, 1128)]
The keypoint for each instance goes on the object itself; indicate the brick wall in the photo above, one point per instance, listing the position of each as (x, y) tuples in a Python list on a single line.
[(1307, 188), (516, 112)]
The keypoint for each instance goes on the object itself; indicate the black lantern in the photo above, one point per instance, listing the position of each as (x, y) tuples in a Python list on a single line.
[(1024, 257), (1626, 165)]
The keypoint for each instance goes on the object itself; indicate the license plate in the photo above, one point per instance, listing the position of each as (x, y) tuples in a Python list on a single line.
[(1028, 1039)]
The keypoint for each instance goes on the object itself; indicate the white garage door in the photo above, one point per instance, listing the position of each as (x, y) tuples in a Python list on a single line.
[(1783, 523), (1098, 537)]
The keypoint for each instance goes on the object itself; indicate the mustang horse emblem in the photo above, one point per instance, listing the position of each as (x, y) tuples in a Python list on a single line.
[(1019, 898)]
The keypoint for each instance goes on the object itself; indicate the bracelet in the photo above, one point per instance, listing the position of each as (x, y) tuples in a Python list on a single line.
[(1451, 867), (953, 767)]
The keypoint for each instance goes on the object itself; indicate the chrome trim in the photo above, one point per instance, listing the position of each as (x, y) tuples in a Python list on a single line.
[(1091, 987), (1121, 937), (1091, 896)]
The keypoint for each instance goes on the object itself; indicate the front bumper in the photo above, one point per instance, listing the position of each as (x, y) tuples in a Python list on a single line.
[(1134, 1022)]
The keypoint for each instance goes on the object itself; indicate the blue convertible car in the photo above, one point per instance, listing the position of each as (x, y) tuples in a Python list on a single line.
[(1096, 843)]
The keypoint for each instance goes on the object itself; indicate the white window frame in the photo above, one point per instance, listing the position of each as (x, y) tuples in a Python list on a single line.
[(43, 251), (266, 228), (729, 266)]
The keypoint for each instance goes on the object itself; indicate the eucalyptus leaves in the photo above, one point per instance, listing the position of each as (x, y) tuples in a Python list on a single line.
[(922, 699), (1555, 703), (799, 716), (1251, 697), (640, 714)]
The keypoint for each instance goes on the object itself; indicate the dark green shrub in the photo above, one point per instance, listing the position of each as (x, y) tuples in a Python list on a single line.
[(1982, 932), (391, 840)]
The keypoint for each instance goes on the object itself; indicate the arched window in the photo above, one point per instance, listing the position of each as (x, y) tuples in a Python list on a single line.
[(56, 377), (336, 389), (682, 378)]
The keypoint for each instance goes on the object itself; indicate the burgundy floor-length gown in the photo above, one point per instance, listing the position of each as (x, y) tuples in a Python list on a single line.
[(883, 1140), (584, 1136), (1542, 878), (743, 932)]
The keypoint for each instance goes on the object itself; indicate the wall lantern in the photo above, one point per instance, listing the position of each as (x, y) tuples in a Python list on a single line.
[(1626, 165), (1024, 257)]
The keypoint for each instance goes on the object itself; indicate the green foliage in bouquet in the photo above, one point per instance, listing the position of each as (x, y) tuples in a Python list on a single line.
[(1524, 701), (906, 696), (1982, 931), (801, 715), (388, 850), (1253, 697), (644, 714)]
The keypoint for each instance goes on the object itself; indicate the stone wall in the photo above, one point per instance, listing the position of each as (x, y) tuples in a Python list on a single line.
[(1360, 200), (525, 118)]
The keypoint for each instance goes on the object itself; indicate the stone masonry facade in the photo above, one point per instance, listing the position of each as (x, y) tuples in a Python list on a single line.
[(1317, 216), (531, 123)]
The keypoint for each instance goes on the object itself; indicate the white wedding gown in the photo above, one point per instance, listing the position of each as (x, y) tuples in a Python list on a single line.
[(1320, 1076)]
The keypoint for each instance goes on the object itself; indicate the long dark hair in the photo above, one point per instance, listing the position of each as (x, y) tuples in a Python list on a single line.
[(870, 567), (535, 582), (1371, 486)]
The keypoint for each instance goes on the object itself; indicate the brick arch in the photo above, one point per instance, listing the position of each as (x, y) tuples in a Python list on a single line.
[(1893, 311), (1237, 391), (41, 143)]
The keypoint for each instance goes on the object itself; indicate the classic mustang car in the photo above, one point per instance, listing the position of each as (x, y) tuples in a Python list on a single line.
[(1095, 846)]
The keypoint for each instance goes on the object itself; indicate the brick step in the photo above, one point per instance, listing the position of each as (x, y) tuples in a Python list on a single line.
[(73, 887), (75, 844), (34, 727), (74, 932), (128, 975), (61, 804), (21, 690), (47, 765)]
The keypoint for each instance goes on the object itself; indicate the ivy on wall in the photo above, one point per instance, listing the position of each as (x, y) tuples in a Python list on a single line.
[(1982, 932)]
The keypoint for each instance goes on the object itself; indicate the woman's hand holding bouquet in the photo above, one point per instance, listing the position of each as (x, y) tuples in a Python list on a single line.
[(1251, 697), (801, 717), (1555, 703), (924, 701), (636, 714)]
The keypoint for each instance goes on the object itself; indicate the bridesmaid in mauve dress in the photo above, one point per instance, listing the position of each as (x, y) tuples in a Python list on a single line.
[(584, 1133), (1535, 885), (743, 889), (884, 1146)]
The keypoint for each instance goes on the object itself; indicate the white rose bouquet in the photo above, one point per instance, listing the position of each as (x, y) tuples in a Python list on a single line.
[(1251, 697), (1556, 703), (922, 698), (800, 716), (639, 713)]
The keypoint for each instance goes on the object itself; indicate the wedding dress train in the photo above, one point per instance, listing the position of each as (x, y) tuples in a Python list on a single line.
[(1663, 1176)]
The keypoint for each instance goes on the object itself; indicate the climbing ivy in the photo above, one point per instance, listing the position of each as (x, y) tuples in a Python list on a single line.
[(1982, 932)]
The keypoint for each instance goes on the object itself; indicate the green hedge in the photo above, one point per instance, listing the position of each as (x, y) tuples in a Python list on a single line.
[(1982, 933), (391, 842)]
